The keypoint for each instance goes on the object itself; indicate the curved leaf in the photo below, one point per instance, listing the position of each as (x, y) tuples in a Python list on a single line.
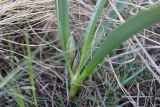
[(132, 26)]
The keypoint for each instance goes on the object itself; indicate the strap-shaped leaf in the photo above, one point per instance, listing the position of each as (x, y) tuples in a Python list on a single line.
[(63, 28), (90, 29), (62, 19), (132, 26)]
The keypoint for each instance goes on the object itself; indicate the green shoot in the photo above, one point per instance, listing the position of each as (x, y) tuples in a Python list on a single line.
[(90, 30), (63, 27), (114, 39), (30, 69)]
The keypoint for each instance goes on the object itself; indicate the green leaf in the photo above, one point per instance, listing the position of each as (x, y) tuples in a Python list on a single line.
[(62, 19), (90, 29), (30, 68), (63, 28), (132, 26)]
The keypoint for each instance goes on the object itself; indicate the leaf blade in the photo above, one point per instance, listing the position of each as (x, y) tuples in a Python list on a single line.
[(90, 29), (63, 21), (132, 26), (63, 28)]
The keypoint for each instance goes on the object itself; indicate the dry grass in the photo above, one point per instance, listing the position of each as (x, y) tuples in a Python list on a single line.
[(105, 87)]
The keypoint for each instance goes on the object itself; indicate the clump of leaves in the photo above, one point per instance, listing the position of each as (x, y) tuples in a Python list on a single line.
[(79, 64)]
